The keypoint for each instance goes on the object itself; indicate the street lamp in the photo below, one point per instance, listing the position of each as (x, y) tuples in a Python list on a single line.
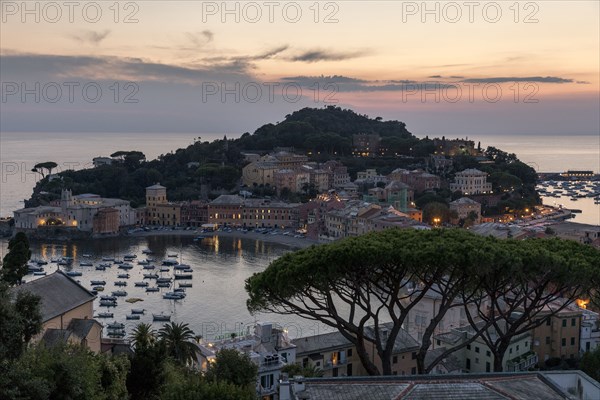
[(436, 221)]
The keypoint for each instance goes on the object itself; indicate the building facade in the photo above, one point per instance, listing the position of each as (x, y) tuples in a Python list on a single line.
[(471, 181)]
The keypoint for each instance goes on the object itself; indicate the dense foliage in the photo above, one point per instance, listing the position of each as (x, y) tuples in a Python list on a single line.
[(365, 281), (206, 169), (14, 263)]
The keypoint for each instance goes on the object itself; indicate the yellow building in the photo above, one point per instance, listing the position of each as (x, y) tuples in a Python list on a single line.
[(159, 211), (67, 310)]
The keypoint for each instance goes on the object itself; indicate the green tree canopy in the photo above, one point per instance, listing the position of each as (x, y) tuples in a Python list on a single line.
[(232, 367), (14, 264), (178, 340), (379, 277)]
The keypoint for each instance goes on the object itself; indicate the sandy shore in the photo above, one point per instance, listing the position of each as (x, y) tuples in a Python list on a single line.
[(298, 243)]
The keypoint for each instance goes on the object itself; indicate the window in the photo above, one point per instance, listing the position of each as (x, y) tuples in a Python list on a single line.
[(476, 360), (488, 353), (414, 355), (564, 323), (476, 349), (564, 342), (510, 350), (413, 370), (395, 360), (548, 322), (517, 347), (468, 347), (488, 367), (349, 352), (468, 363), (572, 341), (573, 322), (547, 339)]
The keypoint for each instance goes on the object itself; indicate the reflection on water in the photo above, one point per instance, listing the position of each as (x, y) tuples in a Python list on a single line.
[(214, 306)]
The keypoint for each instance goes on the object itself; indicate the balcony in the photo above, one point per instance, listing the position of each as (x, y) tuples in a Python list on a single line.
[(329, 364), (522, 363)]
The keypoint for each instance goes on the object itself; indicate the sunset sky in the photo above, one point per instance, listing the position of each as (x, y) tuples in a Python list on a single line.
[(376, 57)]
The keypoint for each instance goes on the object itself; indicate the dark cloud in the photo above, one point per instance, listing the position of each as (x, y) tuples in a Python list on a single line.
[(200, 39), (91, 37), (540, 79), (317, 55)]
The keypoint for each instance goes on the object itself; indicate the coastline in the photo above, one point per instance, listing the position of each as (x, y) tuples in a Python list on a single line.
[(290, 241)]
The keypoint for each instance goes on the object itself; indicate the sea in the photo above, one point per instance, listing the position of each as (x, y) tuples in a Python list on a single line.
[(215, 305), (20, 151)]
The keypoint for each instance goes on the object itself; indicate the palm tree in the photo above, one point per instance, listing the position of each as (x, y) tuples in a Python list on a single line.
[(143, 336), (178, 340)]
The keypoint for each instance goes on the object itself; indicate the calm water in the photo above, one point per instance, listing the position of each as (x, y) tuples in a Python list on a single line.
[(19, 152), (215, 305)]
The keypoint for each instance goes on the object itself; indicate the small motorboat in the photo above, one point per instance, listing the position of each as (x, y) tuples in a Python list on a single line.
[(164, 269), (34, 268), (161, 317), (179, 290), (150, 276), (105, 297), (86, 255), (163, 284), (185, 285), (130, 256), (141, 284), (106, 264), (108, 259), (108, 303), (86, 264), (163, 280), (125, 266), (147, 251), (173, 296), (152, 289), (105, 315), (100, 268), (170, 262), (98, 288), (132, 316), (172, 255), (119, 293), (120, 283), (183, 276), (123, 276), (74, 273), (98, 283), (39, 273), (182, 266), (115, 325), (143, 262), (150, 267)]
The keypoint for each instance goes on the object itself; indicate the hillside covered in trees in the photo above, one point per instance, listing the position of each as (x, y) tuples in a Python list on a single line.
[(207, 169)]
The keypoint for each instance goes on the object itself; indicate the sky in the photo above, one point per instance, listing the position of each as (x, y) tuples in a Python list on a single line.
[(444, 68)]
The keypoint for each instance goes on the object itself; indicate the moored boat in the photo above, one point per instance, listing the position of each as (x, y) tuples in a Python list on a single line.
[(161, 317)]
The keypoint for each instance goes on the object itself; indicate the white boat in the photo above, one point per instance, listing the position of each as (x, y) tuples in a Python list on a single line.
[(86, 264), (147, 251), (172, 255), (86, 255)]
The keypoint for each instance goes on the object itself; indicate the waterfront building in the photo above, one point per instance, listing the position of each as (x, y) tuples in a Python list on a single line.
[(293, 180), (233, 210), (67, 310), (86, 212), (159, 211), (194, 213), (454, 147), (471, 181), (268, 347)]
